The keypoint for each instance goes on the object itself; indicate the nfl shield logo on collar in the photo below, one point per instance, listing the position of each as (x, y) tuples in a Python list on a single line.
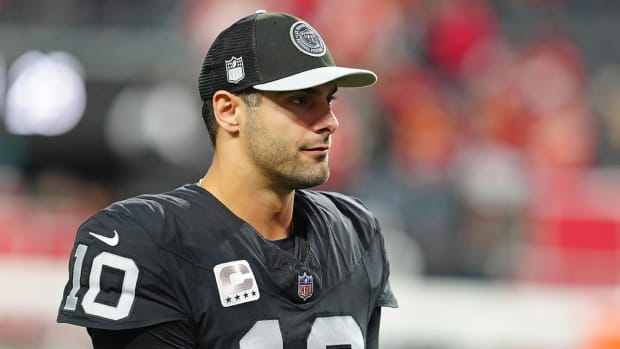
[(234, 69), (304, 286)]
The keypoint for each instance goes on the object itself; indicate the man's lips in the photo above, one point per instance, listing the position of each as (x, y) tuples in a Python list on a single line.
[(317, 150)]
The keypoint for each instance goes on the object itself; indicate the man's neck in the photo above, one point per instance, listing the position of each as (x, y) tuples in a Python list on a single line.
[(268, 211)]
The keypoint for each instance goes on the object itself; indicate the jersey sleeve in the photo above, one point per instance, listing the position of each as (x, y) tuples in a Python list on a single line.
[(386, 297), (369, 231), (117, 275), (167, 335)]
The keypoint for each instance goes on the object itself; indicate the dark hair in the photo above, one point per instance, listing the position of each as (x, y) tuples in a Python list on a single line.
[(250, 97)]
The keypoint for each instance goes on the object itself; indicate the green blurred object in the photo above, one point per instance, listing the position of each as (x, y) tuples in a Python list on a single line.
[(13, 151)]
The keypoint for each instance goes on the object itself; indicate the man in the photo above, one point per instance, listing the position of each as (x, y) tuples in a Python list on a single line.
[(245, 258)]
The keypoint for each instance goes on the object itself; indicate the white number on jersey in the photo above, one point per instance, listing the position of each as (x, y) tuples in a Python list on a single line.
[(89, 303), (341, 331)]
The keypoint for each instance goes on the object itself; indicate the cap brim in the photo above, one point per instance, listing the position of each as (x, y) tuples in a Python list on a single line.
[(344, 77)]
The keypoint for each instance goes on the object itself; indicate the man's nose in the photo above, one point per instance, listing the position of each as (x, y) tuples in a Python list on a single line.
[(328, 123)]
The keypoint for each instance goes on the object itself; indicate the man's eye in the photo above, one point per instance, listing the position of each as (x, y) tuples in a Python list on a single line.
[(300, 100), (331, 99)]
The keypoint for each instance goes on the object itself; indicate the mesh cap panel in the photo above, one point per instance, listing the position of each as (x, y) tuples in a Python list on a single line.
[(236, 41)]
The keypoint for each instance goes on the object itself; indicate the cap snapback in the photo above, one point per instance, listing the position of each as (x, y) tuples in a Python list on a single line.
[(273, 52)]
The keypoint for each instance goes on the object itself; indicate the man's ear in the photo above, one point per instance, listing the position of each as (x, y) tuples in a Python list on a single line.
[(226, 107)]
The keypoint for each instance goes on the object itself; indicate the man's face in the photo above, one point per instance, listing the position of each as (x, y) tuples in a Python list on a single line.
[(288, 136)]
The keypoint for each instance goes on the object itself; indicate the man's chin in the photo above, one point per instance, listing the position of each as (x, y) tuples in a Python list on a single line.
[(309, 182)]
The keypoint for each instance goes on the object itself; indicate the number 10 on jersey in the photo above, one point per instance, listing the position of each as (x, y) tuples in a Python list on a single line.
[(89, 304)]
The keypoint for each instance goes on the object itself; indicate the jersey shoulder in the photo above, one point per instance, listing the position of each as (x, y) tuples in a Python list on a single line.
[(169, 218), (118, 272), (340, 208)]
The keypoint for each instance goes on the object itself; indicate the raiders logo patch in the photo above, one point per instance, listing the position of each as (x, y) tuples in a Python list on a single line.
[(307, 39)]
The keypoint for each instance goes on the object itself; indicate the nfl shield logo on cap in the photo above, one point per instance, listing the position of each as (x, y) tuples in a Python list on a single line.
[(304, 286), (234, 70)]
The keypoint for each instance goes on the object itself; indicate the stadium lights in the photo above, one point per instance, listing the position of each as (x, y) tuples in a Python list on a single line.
[(46, 94)]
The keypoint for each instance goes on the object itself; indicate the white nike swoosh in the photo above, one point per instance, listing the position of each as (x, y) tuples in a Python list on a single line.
[(112, 241)]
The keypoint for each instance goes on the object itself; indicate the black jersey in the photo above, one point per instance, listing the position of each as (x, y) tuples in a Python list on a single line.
[(183, 256)]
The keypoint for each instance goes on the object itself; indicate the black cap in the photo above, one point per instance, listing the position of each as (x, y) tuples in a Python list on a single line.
[(273, 52)]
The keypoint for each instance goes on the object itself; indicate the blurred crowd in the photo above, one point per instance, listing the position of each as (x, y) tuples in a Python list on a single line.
[(488, 147)]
